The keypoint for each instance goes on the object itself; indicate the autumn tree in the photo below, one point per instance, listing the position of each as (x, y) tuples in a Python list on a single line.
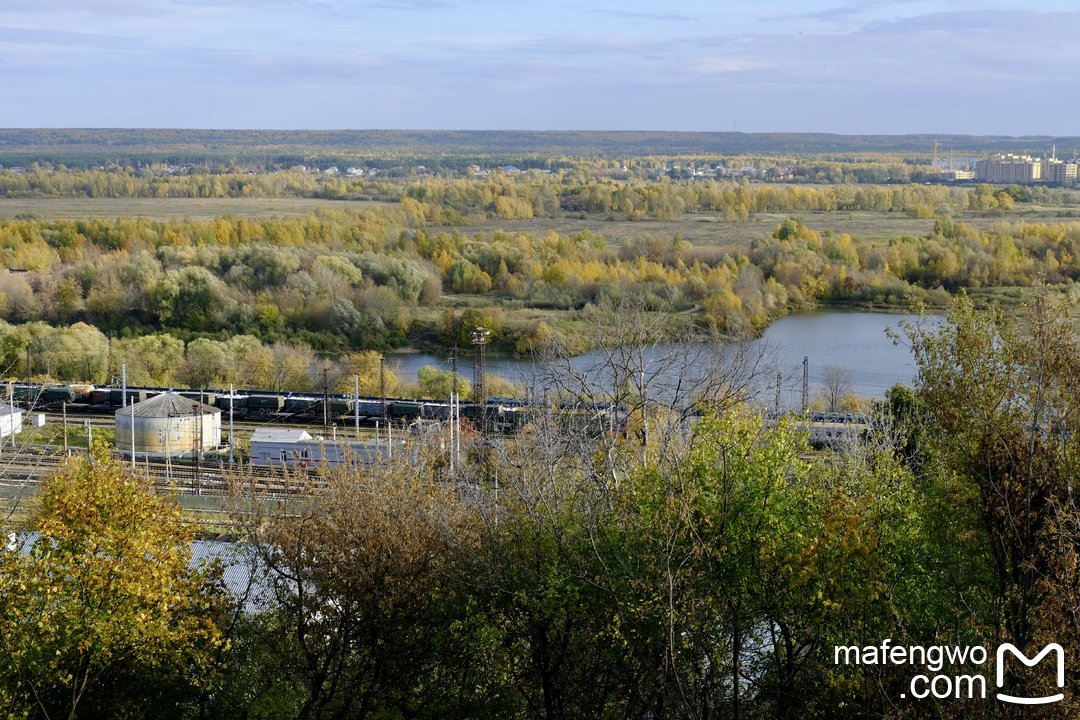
[(363, 619), (100, 614), (375, 376), (290, 368), (999, 412)]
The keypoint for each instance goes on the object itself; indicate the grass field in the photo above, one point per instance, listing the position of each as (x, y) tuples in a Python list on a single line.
[(712, 229), (699, 229)]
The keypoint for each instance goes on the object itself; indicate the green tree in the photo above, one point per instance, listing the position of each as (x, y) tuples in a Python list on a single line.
[(436, 383), (152, 360), (101, 612), (365, 620), (207, 363), (1000, 420)]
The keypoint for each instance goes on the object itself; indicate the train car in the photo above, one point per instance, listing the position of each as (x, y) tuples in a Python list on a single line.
[(239, 403), (471, 411), (83, 393), (259, 403), (302, 404), (56, 394), (406, 409), (341, 406), (507, 419), (207, 398), (25, 393), (435, 411), (116, 396), (370, 407), (836, 435)]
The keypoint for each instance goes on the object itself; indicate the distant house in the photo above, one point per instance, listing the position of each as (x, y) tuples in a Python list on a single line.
[(292, 447)]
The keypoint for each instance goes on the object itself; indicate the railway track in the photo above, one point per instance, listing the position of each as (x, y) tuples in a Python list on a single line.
[(21, 469)]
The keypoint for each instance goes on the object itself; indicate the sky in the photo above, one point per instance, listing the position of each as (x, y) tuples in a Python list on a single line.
[(1002, 67)]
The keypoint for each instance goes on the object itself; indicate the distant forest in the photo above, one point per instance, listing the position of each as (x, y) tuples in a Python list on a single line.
[(85, 147)]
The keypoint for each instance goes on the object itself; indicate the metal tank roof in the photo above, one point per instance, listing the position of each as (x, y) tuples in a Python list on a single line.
[(167, 405)]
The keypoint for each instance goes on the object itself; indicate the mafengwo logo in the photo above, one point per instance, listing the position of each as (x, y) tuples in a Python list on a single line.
[(1059, 654), (941, 686)]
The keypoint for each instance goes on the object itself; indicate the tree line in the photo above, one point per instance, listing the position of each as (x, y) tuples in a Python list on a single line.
[(640, 191), (371, 279), (71, 145)]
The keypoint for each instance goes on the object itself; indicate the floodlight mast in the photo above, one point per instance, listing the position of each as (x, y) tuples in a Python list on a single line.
[(480, 337)]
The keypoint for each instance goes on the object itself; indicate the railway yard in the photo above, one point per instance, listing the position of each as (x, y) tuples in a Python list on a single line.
[(67, 418)]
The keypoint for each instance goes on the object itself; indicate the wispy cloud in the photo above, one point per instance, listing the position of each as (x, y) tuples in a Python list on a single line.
[(659, 17), (964, 22), (105, 8), (537, 63), (726, 65), (66, 38)]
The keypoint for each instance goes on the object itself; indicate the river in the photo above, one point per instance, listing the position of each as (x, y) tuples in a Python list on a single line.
[(853, 340)]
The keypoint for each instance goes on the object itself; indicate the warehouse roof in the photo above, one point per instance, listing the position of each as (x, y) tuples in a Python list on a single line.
[(279, 435), (167, 405)]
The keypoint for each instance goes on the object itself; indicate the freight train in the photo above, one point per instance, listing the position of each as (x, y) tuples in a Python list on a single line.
[(499, 414)]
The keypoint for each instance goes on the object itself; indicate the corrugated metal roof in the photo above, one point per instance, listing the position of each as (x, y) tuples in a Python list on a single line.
[(167, 405), (279, 435)]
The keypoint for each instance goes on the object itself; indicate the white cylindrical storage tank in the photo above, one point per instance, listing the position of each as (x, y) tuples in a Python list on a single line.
[(168, 424)]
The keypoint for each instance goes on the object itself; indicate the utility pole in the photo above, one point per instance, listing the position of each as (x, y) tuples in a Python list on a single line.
[(131, 424), (776, 400), (382, 384), (198, 449), (232, 436), (356, 404), (805, 384), (123, 385), (168, 453), (451, 431), (325, 400), (64, 410), (455, 399), (644, 420), (11, 416), (109, 369)]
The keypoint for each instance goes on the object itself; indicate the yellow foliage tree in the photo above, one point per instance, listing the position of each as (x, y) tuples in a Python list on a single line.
[(102, 604)]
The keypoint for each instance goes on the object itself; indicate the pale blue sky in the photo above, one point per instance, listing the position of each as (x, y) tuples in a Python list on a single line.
[(878, 66)]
